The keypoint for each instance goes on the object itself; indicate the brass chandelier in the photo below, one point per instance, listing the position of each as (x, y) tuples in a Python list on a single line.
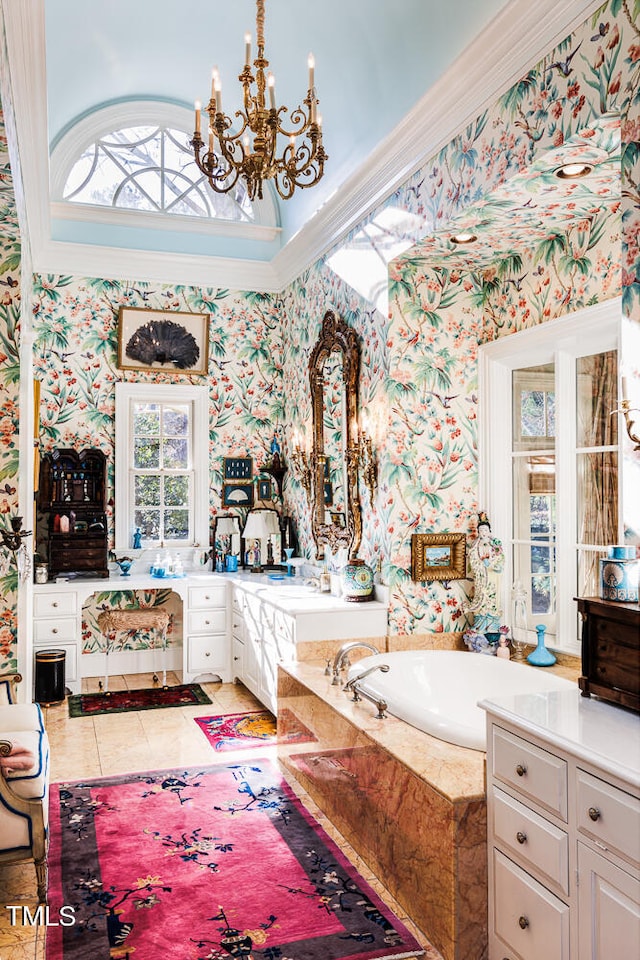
[(251, 151)]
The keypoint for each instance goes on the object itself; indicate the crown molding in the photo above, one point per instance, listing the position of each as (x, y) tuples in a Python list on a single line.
[(89, 260), (515, 40), (163, 222)]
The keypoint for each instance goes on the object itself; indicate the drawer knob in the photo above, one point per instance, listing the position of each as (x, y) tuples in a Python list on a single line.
[(594, 813), (207, 653), (207, 622), (524, 923), (521, 770), (54, 629), (207, 597), (54, 603), (521, 837), (236, 658)]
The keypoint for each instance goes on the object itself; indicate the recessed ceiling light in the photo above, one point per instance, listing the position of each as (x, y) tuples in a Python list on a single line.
[(464, 237), (571, 171)]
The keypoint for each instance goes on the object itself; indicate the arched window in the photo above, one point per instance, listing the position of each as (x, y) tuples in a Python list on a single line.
[(136, 156), (150, 168)]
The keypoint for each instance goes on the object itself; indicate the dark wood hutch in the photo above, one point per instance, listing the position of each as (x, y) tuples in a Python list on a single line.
[(71, 507)]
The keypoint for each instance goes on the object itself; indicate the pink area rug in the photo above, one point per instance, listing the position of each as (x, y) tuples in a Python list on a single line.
[(204, 864), (240, 731)]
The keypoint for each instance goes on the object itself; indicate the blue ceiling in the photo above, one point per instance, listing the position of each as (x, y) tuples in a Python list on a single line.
[(375, 59)]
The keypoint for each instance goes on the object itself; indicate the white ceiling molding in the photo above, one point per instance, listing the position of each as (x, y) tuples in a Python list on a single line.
[(514, 41), (159, 221), (87, 260)]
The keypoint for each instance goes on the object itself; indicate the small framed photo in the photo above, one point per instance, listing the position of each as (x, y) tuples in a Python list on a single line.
[(438, 556), (237, 494), (238, 468), (338, 519), (328, 493), (163, 340), (264, 489)]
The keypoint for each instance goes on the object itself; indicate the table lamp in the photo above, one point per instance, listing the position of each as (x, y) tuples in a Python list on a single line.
[(256, 529)]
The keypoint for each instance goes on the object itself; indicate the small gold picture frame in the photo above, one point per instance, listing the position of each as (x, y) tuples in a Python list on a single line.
[(438, 556), (163, 340)]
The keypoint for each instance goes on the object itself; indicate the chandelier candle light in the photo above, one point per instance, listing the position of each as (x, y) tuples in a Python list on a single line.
[(251, 150)]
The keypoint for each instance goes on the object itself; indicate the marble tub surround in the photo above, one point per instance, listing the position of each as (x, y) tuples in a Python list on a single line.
[(412, 806)]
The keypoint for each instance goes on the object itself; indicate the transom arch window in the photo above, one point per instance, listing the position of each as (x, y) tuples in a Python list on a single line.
[(136, 156)]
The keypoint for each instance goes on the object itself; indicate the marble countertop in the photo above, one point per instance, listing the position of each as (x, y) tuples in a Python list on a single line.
[(590, 729), (290, 594)]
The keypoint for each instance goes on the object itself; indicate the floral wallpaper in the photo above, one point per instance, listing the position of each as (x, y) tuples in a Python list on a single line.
[(540, 255), (75, 359), (10, 280), (420, 362)]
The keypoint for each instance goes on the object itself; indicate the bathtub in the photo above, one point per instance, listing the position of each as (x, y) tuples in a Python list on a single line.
[(437, 691)]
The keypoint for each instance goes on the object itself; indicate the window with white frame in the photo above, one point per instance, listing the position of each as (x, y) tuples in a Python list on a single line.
[(549, 470), (161, 474), (133, 163)]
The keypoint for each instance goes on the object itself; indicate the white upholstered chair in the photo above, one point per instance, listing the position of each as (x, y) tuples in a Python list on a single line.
[(24, 787)]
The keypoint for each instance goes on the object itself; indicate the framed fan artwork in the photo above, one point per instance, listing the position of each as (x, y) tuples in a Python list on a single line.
[(163, 340)]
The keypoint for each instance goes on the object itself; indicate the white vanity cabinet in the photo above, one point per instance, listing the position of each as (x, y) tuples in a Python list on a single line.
[(55, 626), (563, 818), (206, 632), (206, 648), (263, 636), (268, 628)]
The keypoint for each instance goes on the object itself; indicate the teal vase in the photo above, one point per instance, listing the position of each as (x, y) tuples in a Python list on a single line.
[(357, 581), (541, 657)]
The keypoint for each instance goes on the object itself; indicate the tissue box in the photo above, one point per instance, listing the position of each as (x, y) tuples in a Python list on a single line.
[(620, 575)]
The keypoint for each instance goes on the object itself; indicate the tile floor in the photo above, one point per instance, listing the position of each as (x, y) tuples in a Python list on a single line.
[(125, 742)]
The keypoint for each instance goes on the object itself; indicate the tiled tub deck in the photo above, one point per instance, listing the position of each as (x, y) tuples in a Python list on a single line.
[(412, 806)]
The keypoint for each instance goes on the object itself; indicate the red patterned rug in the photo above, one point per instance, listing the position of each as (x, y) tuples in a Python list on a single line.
[(257, 728), (204, 864), (152, 698)]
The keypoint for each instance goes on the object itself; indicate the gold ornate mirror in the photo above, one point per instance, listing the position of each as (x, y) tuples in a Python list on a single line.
[(334, 368)]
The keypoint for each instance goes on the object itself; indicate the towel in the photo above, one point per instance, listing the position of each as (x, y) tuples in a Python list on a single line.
[(20, 758)]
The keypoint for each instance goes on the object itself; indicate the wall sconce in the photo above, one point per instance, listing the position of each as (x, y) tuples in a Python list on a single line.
[(624, 407), (368, 462), (12, 539), (301, 462)]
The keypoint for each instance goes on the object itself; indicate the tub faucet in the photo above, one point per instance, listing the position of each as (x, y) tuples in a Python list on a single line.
[(358, 694), (341, 656), (350, 684)]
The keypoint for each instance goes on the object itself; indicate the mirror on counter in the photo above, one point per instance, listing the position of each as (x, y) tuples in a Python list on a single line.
[(334, 368)]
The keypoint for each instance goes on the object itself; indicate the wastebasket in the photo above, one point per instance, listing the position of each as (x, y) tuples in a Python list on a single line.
[(50, 676)]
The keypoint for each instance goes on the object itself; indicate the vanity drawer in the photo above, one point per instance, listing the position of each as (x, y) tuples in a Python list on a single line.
[(207, 653), (207, 621), (213, 595), (531, 771), (609, 815), (530, 919), (54, 604), (538, 844), (55, 630)]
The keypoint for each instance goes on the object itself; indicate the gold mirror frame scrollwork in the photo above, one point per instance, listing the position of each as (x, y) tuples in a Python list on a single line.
[(336, 335)]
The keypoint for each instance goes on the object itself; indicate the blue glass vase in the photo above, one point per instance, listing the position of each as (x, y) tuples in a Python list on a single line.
[(541, 657)]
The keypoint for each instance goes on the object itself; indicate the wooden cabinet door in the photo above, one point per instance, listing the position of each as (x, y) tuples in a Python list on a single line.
[(608, 909)]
